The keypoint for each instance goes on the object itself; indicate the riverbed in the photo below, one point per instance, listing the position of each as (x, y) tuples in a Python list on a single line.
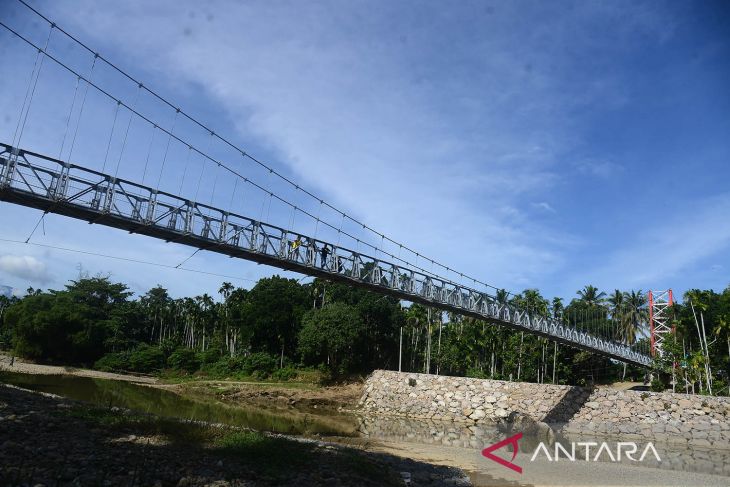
[(440, 443)]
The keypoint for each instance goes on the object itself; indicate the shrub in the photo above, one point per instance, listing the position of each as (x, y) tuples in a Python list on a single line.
[(260, 362), (183, 359), (146, 359), (287, 373), (210, 356), (657, 385), (167, 346), (112, 362), (476, 373)]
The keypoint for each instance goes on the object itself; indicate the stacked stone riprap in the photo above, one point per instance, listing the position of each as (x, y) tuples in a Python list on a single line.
[(462, 399), (674, 418), (697, 420)]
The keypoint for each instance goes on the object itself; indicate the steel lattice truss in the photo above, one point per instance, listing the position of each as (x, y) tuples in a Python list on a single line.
[(659, 318), (54, 186)]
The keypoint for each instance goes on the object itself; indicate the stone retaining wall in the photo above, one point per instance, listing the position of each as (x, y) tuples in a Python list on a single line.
[(678, 418)]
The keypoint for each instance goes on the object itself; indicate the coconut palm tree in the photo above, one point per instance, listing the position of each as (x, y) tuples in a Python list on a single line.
[(502, 296), (635, 316), (616, 302), (590, 295), (558, 307)]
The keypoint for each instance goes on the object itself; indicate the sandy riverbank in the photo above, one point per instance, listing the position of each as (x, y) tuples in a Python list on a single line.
[(24, 367), (281, 395)]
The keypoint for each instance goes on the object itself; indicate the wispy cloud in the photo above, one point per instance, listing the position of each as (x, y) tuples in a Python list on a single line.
[(544, 206), (25, 267), (447, 129), (386, 119), (669, 248), (599, 168)]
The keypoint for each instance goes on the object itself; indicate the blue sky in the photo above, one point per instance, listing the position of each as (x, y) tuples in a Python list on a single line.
[(530, 144)]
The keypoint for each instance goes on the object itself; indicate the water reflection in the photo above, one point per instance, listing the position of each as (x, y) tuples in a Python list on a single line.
[(109, 393), (673, 456)]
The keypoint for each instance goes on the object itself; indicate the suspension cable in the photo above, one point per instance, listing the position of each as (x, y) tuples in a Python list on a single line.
[(235, 147), (167, 148), (207, 157), (83, 104), (111, 135), (35, 84), (149, 151), (68, 120), (126, 132)]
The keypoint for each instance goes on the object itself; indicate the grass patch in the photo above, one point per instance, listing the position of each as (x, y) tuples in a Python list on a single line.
[(189, 434), (367, 468), (305, 378), (273, 456), (280, 458)]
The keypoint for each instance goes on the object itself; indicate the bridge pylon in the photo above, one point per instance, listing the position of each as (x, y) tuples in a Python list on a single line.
[(660, 303)]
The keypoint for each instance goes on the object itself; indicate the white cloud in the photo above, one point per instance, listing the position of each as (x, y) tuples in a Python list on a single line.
[(25, 267), (599, 168), (378, 126), (431, 133), (544, 206)]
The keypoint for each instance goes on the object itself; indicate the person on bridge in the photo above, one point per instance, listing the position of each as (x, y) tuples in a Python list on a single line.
[(323, 256), (295, 247)]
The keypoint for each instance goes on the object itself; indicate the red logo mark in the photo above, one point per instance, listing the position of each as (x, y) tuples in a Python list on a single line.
[(487, 452)]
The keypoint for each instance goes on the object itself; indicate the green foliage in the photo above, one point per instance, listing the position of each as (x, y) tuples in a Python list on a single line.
[(272, 314), (113, 362), (339, 330), (183, 359), (260, 363), (476, 373), (657, 385), (55, 328), (146, 359), (287, 373), (329, 335), (273, 455), (209, 356)]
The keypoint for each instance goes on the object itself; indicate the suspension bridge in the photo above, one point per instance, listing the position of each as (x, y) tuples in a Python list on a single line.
[(60, 185)]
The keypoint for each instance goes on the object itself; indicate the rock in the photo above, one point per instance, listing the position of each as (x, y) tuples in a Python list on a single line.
[(478, 414)]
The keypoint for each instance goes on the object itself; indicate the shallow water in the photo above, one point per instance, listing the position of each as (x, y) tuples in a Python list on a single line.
[(109, 393), (440, 442), (461, 445)]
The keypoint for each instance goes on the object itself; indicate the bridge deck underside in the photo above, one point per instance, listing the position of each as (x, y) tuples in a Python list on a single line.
[(53, 186)]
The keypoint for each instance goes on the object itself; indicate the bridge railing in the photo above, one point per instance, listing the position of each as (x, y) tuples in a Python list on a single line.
[(57, 186)]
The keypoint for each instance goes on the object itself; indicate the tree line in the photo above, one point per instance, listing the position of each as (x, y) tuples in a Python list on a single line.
[(281, 326)]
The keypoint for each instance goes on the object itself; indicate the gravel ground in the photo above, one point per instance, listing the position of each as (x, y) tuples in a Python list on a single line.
[(50, 441)]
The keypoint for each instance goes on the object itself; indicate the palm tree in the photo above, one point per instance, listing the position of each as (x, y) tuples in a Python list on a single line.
[(225, 291), (723, 326), (698, 300), (635, 315), (616, 302), (558, 308), (590, 295), (533, 301)]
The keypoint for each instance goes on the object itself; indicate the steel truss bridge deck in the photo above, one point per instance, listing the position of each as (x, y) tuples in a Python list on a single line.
[(55, 186)]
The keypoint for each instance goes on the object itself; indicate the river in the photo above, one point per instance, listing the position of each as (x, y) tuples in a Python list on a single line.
[(436, 442)]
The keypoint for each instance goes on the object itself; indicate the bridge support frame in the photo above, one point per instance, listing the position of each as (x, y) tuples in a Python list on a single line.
[(660, 303)]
